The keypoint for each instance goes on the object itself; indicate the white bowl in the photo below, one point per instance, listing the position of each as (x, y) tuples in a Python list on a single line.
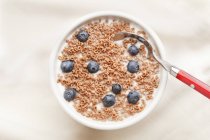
[(58, 90)]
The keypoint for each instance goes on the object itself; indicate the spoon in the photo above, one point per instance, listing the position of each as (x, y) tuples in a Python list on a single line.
[(176, 72)]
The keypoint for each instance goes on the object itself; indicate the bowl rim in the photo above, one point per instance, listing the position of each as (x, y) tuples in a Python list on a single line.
[(86, 122)]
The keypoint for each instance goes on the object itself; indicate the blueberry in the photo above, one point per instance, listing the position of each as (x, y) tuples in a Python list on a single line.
[(82, 36), (93, 67), (133, 66), (133, 50), (69, 94), (116, 88), (133, 97), (108, 100), (67, 66)]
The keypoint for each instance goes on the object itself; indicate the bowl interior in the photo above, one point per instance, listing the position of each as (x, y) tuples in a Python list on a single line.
[(58, 89)]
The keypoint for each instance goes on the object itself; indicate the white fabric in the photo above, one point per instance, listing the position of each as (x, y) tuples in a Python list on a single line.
[(29, 30)]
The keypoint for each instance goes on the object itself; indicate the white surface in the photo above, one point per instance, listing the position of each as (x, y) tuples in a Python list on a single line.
[(29, 29)]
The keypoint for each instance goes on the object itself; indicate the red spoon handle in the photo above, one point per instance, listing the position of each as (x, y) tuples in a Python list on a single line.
[(194, 83)]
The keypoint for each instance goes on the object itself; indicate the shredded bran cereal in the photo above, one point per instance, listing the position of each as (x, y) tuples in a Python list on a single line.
[(91, 88)]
